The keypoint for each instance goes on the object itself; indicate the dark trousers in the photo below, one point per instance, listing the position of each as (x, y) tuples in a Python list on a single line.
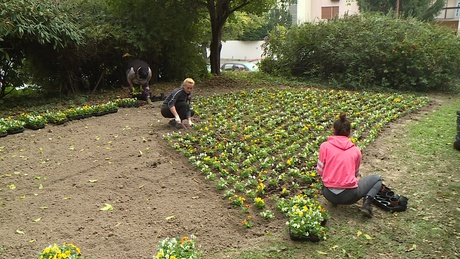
[(367, 186), (182, 108)]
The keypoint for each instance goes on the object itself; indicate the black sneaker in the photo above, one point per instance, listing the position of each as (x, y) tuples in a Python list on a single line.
[(176, 125), (179, 126)]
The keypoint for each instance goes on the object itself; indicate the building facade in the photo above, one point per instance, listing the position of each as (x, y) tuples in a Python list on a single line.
[(450, 15), (319, 10)]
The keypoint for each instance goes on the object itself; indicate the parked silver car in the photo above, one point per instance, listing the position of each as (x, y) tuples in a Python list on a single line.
[(246, 66)]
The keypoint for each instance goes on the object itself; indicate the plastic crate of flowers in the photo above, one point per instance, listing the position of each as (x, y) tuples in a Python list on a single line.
[(56, 118), (307, 218), (3, 128), (127, 102), (14, 126), (68, 251), (178, 248), (32, 121)]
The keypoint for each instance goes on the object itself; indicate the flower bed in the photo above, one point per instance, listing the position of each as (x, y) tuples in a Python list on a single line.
[(264, 142)]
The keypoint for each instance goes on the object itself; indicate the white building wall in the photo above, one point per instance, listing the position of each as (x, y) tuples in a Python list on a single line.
[(241, 50)]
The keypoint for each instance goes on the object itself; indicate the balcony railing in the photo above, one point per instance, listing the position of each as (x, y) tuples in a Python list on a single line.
[(450, 13)]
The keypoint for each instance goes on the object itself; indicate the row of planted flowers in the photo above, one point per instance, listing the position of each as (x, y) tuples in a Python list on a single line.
[(263, 145), (307, 220), (168, 248), (12, 125)]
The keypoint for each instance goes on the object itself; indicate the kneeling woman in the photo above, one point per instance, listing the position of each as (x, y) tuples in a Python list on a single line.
[(338, 164)]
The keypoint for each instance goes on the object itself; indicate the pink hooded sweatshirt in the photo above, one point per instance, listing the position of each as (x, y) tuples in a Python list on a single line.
[(338, 163)]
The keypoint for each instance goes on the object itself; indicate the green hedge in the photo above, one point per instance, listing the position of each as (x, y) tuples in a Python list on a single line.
[(359, 52)]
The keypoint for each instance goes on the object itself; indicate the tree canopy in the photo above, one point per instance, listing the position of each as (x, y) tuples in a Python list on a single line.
[(78, 45)]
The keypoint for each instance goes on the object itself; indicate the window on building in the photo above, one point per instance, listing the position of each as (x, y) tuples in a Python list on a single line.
[(329, 12)]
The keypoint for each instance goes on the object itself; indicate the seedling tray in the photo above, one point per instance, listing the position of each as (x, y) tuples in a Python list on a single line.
[(382, 200)]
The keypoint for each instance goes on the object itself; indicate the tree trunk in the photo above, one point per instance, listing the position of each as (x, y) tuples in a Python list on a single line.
[(219, 11), (215, 47)]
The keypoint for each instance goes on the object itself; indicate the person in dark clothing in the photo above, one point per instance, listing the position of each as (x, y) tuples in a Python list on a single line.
[(139, 73), (177, 105)]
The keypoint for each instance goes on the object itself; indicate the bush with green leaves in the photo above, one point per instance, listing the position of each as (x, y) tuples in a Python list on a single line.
[(358, 52)]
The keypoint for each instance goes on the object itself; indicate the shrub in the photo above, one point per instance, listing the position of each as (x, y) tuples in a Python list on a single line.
[(358, 52)]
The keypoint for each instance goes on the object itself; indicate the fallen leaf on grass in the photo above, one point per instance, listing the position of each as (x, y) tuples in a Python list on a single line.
[(359, 233), (321, 252), (106, 207), (368, 237), (414, 246)]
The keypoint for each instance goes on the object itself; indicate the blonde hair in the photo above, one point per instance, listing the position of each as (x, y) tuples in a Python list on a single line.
[(188, 81)]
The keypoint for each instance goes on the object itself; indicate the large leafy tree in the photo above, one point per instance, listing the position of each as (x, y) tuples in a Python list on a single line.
[(165, 33), (424, 10), (219, 12), (275, 17), (32, 29)]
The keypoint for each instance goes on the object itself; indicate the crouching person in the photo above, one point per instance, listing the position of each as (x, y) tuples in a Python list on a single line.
[(139, 73), (177, 105), (338, 164)]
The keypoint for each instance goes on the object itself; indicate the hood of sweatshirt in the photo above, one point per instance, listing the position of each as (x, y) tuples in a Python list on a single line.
[(341, 142)]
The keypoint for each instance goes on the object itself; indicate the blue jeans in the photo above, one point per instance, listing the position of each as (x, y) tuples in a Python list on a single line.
[(367, 186)]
